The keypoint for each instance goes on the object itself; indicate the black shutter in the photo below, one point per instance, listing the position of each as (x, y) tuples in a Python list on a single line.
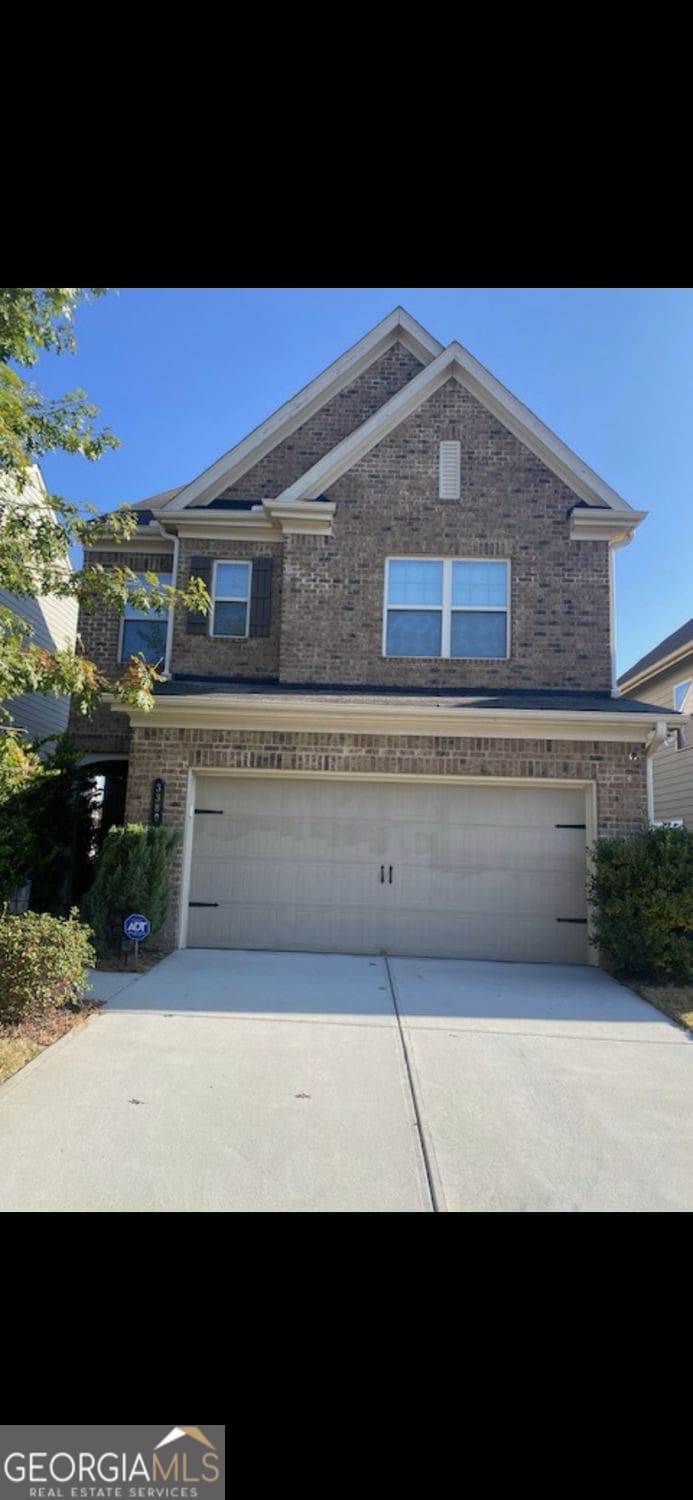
[(200, 567), (261, 596)]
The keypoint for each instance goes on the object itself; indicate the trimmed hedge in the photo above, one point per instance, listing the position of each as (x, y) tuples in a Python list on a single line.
[(133, 874), (43, 962), (642, 896)]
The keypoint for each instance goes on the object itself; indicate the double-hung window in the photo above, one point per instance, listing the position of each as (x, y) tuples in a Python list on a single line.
[(447, 607), (231, 598), (144, 632)]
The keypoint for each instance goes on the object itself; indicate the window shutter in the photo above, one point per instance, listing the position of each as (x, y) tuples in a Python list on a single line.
[(200, 567), (261, 596), (449, 471)]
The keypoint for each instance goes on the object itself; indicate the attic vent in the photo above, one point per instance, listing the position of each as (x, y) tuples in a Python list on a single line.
[(449, 471)]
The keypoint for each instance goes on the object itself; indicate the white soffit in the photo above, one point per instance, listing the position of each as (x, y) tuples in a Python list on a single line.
[(397, 327), (457, 363)]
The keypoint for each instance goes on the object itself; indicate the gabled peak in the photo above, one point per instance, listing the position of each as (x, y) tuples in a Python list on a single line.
[(399, 327)]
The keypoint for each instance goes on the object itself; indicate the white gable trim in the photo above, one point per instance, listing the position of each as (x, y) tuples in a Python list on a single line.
[(457, 363), (397, 327)]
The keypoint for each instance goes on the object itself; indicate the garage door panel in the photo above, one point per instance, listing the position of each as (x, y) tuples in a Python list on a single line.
[(477, 871), (493, 891)]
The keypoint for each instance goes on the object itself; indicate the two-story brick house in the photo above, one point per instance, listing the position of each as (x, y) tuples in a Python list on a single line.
[(397, 730)]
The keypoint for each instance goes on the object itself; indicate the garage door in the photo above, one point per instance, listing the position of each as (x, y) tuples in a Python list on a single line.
[(454, 871)]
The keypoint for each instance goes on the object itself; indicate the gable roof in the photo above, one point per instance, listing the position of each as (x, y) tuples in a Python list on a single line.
[(397, 327), (457, 363), (672, 647)]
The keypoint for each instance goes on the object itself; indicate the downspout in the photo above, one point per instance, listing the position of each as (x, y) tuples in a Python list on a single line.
[(174, 579), (654, 740), (612, 619)]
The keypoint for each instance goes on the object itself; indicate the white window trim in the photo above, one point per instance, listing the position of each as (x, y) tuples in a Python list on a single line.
[(240, 562), (165, 615), (447, 607)]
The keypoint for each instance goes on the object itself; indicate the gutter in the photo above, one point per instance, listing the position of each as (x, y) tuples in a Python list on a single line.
[(260, 711), (655, 739), (172, 536)]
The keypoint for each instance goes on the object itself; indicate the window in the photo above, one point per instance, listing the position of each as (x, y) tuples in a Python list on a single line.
[(231, 595), (144, 634), (449, 607)]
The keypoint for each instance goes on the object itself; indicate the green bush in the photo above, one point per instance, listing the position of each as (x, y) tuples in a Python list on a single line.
[(133, 874), (43, 802), (642, 896), (43, 962)]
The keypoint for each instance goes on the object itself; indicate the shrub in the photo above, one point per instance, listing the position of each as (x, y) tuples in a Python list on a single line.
[(43, 801), (132, 875), (43, 962), (642, 895)]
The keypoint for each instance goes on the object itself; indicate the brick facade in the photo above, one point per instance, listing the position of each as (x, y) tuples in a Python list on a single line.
[(334, 421), (106, 732), (172, 752), (226, 656), (511, 506)]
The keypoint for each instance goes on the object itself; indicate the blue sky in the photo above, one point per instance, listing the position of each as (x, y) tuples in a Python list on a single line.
[(180, 374)]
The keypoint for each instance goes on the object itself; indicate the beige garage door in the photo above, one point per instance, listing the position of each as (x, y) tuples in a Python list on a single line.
[(376, 867)]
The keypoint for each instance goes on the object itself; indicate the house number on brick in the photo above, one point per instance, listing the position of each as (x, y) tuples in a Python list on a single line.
[(156, 811)]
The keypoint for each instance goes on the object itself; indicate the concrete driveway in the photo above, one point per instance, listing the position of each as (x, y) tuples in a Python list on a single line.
[(239, 1081)]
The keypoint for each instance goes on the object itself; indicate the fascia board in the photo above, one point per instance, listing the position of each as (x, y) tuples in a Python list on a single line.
[(655, 669), (398, 326)]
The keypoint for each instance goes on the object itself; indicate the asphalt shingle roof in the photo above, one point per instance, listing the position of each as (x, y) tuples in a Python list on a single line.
[(552, 700), (681, 637)]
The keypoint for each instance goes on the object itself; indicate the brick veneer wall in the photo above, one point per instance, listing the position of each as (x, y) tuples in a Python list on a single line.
[(108, 732), (387, 505), (227, 656), (346, 411), (104, 733), (621, 788)]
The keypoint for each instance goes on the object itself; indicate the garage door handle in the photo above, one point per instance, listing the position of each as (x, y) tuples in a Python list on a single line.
[(390, 874), (382, 874)]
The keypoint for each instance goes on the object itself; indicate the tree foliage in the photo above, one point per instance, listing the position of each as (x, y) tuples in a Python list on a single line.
[(132, 875), (45, 799), (37, 531)]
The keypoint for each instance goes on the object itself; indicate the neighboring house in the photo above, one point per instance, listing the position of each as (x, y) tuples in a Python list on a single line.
[(666, 674), (54, 623), (397, 731)]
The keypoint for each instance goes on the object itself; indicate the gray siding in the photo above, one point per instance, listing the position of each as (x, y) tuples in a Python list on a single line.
[(673, 784), (55, 625), (672, 769)]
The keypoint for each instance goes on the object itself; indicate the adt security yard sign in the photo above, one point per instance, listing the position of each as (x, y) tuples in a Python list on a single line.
[(136, 927)]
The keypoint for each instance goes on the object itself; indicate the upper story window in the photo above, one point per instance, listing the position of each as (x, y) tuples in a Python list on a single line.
[(142, 633), (231, 598), (448, 607)]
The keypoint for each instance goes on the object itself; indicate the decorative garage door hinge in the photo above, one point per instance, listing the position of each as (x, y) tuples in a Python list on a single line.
[(582, 920), (216, 810), (571, 825), (216, 903)]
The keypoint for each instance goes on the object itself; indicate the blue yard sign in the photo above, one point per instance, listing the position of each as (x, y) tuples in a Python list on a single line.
[(136, 927)]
